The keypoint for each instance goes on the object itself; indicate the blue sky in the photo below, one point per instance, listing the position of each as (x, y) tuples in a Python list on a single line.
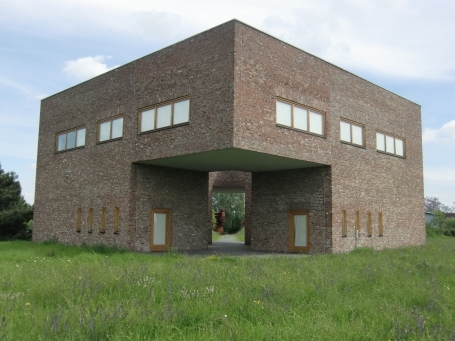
[(404, 46)]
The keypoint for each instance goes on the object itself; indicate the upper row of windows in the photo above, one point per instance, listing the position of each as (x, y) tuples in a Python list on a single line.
[(151, 118), (298, 117), (288, 114)]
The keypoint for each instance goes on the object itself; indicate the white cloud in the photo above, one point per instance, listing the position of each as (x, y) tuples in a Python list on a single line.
[(446, 132), (87, 67)]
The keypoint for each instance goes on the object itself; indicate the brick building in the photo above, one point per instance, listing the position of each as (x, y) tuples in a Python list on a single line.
[(130, 158)]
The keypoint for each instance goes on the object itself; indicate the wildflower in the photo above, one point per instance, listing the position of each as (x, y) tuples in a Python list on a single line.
[(27, 304)]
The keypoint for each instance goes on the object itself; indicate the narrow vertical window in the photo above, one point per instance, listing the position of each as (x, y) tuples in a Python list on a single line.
[(357, 220), (90, 220), (344, 224), (380, 226), (79, 220), (369, 225), (103, 220), (116, 219)]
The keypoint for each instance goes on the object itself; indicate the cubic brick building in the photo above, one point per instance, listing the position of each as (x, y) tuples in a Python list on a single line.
[(125, 159)]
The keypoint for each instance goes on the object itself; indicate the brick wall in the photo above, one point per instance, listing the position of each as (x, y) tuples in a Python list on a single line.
[(277, 193), (184, 193)]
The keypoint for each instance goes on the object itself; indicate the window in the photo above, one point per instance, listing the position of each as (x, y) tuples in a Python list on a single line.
[(160, 236), (380, 227), (344, 224), (103, 220), (110, 130), (352, 133), (164, 115), (357, 220), (389, 144), (90, 220), (71, 139), (300, 118), (79, 220), (369, 225), (116, 218)]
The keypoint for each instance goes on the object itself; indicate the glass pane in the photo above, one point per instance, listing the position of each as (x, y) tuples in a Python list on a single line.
[(315, 123), (380, 144), (148, 120), (117, 128), (300, 230), (105, 131), (163, 118), (80, 138), (159, 229), (71, 140), (345, 131), (300, 118), (182, 112), (399, 150), (389, 144), (357, 135), (61, 142), (283, 113)]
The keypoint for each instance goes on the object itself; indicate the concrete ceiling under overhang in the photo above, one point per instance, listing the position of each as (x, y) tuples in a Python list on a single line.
[(231, 159)]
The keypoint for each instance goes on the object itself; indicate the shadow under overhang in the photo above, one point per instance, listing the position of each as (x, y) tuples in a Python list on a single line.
[(231, 159)]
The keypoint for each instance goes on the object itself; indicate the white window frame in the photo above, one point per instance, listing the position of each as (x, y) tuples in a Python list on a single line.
[(309, 112), (353, 124), (65, 133), (154, 110), (395, 138), (110, 120)]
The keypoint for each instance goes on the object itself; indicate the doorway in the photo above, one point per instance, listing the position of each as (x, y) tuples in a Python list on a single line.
[(160, 236), (299, 231)]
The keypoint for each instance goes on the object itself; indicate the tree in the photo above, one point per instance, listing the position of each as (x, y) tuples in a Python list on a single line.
[(15, 213), (432, 204), (234, 204)]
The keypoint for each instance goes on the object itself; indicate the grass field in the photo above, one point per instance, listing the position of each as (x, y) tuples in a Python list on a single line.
[(54, 292)]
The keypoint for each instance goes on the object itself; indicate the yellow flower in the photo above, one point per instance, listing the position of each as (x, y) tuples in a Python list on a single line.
[(27, 304)]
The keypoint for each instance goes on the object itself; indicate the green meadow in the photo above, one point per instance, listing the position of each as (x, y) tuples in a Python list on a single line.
[(54, 292)]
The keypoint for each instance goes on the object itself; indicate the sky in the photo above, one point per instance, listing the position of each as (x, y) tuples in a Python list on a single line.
[(407, 47)]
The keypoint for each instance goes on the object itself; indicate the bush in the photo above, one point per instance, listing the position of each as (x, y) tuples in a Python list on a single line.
[(449, 227), (15, 213), (234, 204)]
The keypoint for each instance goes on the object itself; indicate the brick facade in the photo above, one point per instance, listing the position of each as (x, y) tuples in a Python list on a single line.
[(233, 75)]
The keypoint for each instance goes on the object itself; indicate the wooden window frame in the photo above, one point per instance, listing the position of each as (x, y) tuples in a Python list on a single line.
[(395, 137), (351, 124), (167, 244), (344, 223), (90, 220), (380, 225), (66, 132), (309, 110), (116, 220), (103, 220), (292, 247), (369, 225), (110, 119), (155, 110), (79, 220)]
